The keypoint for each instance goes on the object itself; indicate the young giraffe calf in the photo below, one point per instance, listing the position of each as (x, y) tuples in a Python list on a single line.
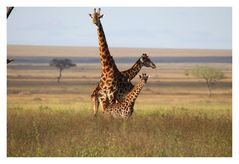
[(125, 108)]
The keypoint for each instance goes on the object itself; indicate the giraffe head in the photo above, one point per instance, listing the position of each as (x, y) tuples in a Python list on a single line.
[(96, 17), (143, 78), (145, 60)]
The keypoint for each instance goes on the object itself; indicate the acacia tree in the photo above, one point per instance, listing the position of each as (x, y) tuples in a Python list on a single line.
[(61, 64), (210, 75)]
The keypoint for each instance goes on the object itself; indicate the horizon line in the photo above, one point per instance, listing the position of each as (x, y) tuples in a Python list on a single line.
[(75, 46)]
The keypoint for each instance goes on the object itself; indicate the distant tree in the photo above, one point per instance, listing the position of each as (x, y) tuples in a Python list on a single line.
[(9, 60), (210, 75), (61, 64)]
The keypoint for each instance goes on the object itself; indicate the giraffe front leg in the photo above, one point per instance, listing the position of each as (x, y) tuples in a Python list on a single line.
[(104, 102), (112, 94)]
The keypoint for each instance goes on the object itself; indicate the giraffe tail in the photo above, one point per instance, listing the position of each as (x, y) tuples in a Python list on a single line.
[(95, 100)]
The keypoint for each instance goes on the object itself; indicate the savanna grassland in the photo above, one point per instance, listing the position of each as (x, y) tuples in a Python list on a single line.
[(173, 115)]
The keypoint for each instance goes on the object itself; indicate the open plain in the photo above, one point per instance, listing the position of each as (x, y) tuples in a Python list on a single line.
[(173, 114)]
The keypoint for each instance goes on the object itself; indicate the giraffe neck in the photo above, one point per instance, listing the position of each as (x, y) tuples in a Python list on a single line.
[(107, 61), (133, 94), (133, 71)]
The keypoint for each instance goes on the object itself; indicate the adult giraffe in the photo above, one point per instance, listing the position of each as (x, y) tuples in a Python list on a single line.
[(113, 84)]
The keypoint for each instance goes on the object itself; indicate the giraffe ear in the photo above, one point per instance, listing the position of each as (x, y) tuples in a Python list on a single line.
[(101, 16), (90, 15)]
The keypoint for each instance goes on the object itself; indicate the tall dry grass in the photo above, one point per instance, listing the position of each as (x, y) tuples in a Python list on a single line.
[(47, 132)]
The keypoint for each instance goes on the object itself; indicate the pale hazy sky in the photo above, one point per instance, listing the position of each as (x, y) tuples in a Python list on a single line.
[(124, 27)]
